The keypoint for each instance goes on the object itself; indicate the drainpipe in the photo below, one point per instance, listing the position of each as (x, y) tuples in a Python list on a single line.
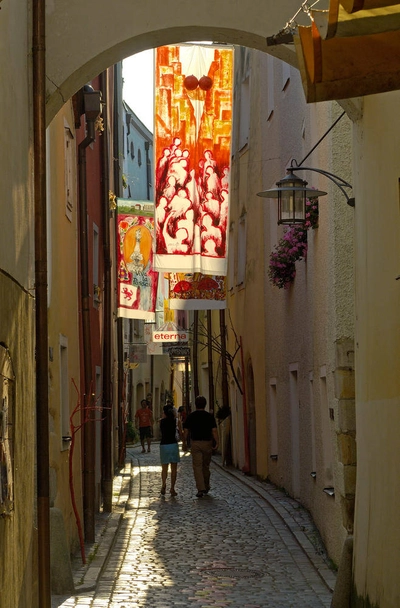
[(41, 311), (195, 354), (224, 367), (210, 363), (120, 336), (106, 449), (92, 110)]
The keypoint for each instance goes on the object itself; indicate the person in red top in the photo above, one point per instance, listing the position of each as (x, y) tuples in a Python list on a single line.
[(144, 422)]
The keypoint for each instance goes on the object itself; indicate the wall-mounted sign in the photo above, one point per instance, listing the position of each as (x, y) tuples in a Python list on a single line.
[(176, 351), (162, 335)]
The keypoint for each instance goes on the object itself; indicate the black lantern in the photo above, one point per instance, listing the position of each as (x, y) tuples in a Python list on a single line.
[(291, 193)]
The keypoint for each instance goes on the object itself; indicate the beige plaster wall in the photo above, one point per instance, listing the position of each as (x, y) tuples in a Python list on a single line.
[(300, 330), (96, 39), (16, 243), (377, 529), (17, 531)]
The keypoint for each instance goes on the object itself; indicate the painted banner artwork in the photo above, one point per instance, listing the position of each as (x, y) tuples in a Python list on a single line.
[(196, 291), (193, 119), (136, 280)]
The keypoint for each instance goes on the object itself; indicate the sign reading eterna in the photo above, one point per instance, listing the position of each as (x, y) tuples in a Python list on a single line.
[(170, 336)]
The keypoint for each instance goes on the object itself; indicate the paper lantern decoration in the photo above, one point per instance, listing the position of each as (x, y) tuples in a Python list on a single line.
[(205, 83), (191, 83)]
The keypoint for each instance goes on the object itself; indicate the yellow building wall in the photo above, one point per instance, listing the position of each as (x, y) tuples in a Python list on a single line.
[(63, 318), (377, 524)]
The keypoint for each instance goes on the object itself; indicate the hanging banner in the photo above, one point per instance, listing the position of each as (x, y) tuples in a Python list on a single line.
[(196, 291), (137, 353), (193, 119), (136, 279)]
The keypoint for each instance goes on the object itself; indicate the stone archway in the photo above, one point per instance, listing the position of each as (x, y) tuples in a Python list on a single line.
[(85, 38)]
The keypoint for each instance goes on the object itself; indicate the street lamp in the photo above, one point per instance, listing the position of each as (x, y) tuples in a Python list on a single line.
[(292, 192)]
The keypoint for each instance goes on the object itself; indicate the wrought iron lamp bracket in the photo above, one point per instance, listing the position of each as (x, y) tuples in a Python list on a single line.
[(338, 181)]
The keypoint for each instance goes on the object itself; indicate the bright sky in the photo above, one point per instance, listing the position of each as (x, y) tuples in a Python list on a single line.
[(138, 87)]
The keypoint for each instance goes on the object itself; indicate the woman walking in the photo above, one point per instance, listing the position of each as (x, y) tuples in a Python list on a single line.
[(169, 449)]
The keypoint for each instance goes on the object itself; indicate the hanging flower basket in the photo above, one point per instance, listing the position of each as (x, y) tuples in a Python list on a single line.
[(291, 248)]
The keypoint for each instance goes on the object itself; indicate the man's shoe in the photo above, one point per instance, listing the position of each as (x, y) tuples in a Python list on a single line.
[(200, 494), (206, 491), (143, 451)]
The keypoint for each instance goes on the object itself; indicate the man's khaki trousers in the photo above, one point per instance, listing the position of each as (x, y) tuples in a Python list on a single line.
[(201, 458)]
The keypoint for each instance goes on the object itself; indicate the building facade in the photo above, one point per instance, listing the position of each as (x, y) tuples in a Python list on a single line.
[(376, 131), (297, 341)]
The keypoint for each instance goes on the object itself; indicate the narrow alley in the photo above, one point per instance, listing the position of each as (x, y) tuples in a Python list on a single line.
[(245, 544)]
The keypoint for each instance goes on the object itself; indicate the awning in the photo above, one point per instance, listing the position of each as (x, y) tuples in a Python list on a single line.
[(338, 22), (343, 55)]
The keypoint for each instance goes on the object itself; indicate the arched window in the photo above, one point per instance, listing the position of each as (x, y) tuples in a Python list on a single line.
[(132, 150), (139, 158)]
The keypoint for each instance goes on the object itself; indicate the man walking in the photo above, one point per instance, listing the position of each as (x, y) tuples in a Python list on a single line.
[(204, 438), (144, 421)]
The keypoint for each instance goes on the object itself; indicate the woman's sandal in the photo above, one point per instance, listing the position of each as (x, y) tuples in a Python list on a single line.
[(173, 493), (162, 490)]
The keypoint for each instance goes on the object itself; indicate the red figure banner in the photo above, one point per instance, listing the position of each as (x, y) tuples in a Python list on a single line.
[(193, 116), (137, 281)]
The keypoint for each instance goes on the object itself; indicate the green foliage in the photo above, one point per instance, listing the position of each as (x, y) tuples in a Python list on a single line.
[(132, 435)]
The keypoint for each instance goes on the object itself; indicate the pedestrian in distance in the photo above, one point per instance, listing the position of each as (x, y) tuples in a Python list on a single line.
[(182, 417), (169, 449), (144, 422), (203, 431)]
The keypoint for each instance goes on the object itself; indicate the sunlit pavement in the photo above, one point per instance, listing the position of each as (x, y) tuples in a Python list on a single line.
[(245, 544)]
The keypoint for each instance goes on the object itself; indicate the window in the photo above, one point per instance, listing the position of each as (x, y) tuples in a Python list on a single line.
[(295, 428), (326, 429), (270, 91), (139, 158), (312, 417), (7, 390), (273, 420), (132, 150), (64, 394), (69, 164), (244, 115), (241, 261), (285, 75)]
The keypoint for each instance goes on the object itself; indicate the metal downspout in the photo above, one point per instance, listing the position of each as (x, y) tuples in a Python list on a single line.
[(210, 363), (195, 354), (120, 341), (41, 312), (88, 413), (107, 413)]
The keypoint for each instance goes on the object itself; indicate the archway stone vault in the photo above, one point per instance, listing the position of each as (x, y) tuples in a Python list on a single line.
[(84, 37)]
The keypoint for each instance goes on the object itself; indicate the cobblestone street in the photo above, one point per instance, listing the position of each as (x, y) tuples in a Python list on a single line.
[(244, 545)]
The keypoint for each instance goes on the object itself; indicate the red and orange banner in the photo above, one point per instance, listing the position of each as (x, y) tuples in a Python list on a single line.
[(196, 291), (136, 279), (192, 139)]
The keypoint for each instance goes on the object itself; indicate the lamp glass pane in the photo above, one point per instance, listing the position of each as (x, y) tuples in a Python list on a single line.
[(299, 207), (286, 205)]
